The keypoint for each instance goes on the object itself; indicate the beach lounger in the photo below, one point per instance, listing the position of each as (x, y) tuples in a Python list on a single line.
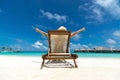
[(58, 47)]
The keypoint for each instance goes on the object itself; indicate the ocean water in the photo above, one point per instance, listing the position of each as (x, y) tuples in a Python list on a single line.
[(28, 53), (100, 55), (39, 54)]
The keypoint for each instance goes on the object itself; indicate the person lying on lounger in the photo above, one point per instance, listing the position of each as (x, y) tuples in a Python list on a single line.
[(62, 28), (59, 41)]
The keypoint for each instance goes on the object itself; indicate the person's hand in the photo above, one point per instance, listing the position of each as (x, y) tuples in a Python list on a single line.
[(37, 30), (83, 28)]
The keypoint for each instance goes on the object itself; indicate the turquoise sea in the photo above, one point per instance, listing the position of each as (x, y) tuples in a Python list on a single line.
[(38, 54)]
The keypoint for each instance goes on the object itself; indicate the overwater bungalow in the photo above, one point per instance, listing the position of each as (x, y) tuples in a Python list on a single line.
[(98, 50)]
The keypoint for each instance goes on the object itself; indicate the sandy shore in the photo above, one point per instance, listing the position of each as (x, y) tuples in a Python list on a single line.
[(28, 68)]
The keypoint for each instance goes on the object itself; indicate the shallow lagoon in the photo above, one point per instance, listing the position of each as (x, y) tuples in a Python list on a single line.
[(38, 54)]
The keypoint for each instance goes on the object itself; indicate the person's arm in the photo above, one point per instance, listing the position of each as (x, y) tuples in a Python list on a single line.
[(42, 32), (78, 31)]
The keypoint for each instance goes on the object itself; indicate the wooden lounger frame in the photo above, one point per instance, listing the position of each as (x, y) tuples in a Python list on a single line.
[(59, 56)]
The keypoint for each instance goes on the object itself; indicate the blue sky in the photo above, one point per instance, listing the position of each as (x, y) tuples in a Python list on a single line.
[(100, 17)]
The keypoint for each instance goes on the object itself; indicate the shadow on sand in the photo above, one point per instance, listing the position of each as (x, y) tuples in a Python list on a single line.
[(58, 64)]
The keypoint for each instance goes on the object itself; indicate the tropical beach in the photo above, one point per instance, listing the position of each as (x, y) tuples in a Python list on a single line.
[(28, 68), (59, 40)]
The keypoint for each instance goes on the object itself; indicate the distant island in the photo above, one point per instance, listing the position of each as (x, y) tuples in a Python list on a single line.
[(9, 49)]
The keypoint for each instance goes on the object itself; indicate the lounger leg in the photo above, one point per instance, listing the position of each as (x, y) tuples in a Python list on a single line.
[(42, 63), (75, 63)]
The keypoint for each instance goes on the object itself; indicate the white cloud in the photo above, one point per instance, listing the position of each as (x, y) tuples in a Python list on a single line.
[(112, 7), (75, 46), (98, 14), (93, 12), (57, 17), (39, 45), (100, 8), (85, 46), (111, 41), (116, 33), (84, 6), (104, 3), (78, 46)]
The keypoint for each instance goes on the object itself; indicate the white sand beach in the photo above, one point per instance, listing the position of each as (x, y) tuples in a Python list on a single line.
[(28, 68)]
